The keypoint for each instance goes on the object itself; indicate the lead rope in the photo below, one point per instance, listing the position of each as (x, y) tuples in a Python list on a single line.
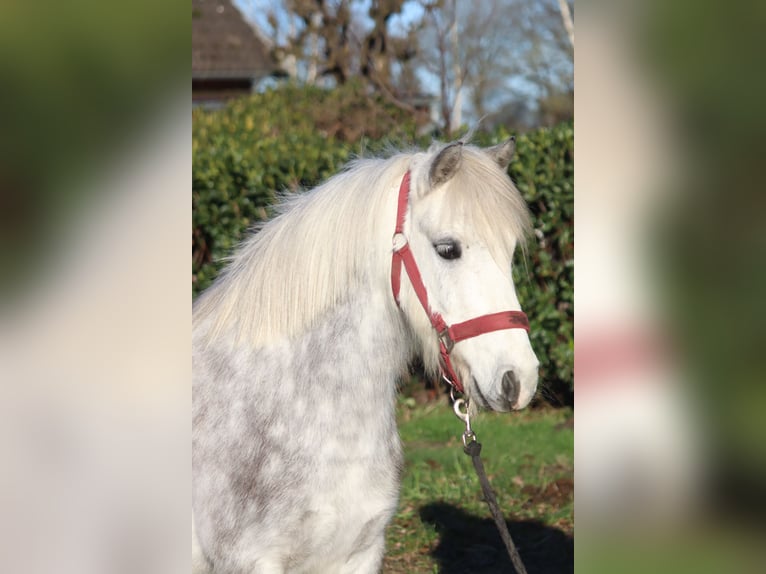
[(472, 447)]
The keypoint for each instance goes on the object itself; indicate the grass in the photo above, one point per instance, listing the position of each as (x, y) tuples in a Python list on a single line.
[(443, 524)]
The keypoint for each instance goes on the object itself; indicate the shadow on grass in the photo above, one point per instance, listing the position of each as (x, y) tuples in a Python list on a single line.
[(469, 544)]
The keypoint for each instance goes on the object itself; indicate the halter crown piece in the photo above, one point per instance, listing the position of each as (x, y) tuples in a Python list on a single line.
[(448, 335)]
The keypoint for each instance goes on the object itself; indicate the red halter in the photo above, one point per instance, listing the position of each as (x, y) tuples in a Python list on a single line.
[(448, 334)]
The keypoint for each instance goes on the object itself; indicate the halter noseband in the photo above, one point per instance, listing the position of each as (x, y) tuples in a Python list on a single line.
[(448, 334)]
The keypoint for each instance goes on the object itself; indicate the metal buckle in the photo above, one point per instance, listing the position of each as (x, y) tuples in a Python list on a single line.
[(446, 340)]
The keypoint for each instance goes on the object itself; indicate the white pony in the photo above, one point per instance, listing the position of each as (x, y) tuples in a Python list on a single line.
[(298, 346)]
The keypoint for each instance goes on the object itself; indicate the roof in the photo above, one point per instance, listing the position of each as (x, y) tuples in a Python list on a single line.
[(224, 45)]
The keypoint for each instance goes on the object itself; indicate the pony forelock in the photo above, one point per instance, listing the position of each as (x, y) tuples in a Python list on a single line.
[(489, 202)]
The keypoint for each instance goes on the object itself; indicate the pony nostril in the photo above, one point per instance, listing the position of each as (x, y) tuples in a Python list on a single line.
[(510, 387)]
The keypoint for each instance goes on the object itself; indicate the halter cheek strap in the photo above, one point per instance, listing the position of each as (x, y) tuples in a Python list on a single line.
[(448, 335)]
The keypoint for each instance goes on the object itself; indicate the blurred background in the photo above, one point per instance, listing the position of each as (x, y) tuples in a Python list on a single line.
[(95, 175), (670, 469)]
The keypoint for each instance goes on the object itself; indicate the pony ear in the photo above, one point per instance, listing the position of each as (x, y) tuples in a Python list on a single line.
[(445, 164), (502, 153)]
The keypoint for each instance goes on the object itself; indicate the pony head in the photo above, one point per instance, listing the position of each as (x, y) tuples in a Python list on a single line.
[(464, 222)]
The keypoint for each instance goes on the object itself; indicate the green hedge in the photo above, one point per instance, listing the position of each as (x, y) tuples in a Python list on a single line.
[(544, 173), (281, 140), (294, 138)]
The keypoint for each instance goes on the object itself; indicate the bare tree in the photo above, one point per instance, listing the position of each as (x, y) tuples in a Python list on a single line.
[(466, 50), (566, 18), (549, 65), (474, 57), (382, 51), (456, 119), (342, 39)]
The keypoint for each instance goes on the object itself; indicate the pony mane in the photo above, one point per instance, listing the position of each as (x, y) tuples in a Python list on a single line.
[(316, 251), (306, 260)]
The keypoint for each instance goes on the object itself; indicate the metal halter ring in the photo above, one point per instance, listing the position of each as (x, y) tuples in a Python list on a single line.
[(446, 340)]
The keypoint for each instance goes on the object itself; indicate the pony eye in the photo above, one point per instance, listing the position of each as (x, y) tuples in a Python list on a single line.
[(448, 249)]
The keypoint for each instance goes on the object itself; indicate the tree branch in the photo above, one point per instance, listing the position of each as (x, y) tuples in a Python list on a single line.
[(566, 18)]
